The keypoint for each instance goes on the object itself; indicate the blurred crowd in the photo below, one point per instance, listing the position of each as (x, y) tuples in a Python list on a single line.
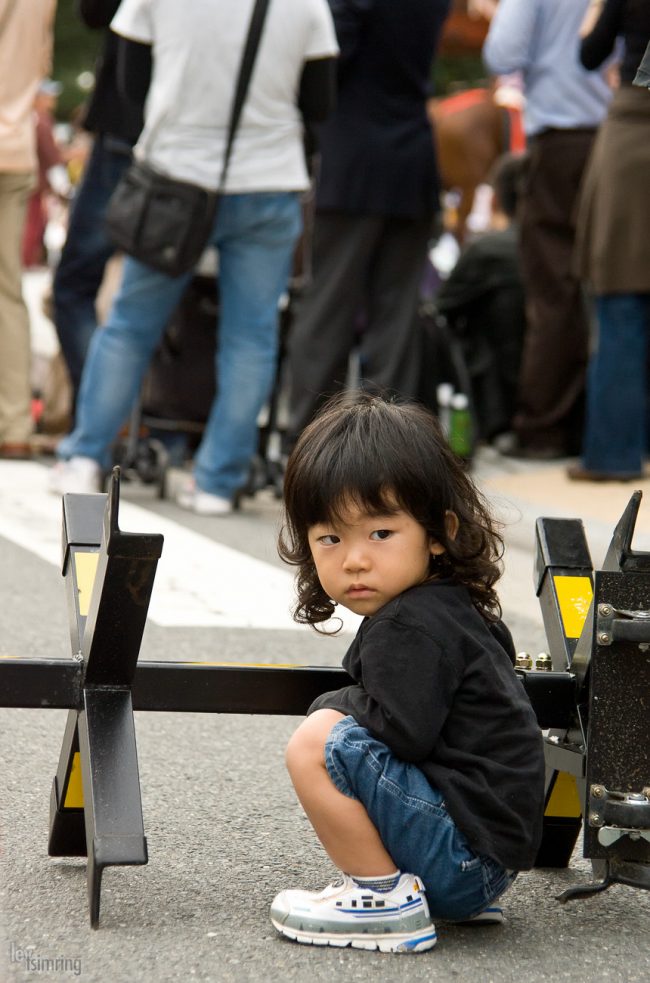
[(369, 232)]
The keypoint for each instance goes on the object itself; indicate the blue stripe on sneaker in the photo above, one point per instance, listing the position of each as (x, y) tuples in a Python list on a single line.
[(412, 943), (381, 912)]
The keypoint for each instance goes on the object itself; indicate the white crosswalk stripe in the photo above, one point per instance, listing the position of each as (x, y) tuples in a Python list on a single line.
[(199, 583)]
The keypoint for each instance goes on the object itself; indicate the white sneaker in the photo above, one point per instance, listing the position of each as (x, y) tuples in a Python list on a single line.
[(347, 914), (492, 915), (78, 476), (203, 503)]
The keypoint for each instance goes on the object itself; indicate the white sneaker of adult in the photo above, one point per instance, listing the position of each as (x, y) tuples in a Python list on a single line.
[(203, 503), (78, 476)]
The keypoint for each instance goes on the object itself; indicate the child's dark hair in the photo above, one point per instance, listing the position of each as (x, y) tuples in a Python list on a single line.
[(380, 456)]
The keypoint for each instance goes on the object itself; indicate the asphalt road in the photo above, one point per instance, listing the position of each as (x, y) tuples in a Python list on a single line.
[(224, 831)]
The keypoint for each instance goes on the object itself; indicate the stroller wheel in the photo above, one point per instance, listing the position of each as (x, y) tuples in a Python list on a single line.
[(151, 461)]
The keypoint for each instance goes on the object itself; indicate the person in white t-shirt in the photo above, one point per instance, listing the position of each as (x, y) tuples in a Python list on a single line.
[(196, 50)]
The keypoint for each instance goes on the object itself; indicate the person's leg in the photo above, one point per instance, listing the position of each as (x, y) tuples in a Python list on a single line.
[(118, 358), (373, 905), (255, 235), (555, 348), (322, 334), (341, 824), (15, 347), (616, 425), (85, 254), (412, 822), (374, 813), (391, 344)]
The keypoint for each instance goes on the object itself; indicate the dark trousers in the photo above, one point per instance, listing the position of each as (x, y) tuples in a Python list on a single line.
[(86, 252), (552, 375), (367, 273)]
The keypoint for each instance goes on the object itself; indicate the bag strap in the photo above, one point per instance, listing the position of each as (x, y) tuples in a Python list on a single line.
[(245, 71)]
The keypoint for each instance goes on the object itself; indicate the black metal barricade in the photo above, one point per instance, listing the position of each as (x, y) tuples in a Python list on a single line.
[(597, 755), (594, 700)]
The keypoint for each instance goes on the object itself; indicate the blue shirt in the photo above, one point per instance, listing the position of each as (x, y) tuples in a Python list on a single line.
[(541, 39)]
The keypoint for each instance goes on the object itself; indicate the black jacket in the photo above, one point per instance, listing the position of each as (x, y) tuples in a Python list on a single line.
[(483, 302), (436, 684), (629, 19), (377, 151)]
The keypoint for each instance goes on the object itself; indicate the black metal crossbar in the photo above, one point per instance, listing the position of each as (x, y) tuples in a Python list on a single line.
[(183, 687)]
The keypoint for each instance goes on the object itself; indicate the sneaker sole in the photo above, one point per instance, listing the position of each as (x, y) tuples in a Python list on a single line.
[(383, 943), (489, 916), (188, 502)]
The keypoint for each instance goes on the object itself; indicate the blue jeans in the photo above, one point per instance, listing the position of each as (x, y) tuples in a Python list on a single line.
[(414, 825), (86, 251), (255, 235), (616, 427)]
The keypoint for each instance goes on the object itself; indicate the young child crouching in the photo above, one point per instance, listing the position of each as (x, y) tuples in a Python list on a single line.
[(424, 779)]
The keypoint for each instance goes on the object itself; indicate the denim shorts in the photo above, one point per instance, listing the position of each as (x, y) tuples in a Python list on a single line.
[(413, 822)]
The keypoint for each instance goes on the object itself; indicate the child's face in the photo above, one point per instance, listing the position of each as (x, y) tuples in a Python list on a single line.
[(363, 561)]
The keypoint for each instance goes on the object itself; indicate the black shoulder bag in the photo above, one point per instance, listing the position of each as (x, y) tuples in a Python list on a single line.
[(167, 223)]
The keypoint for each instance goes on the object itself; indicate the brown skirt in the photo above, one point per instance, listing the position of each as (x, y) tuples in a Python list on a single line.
[(613, 223)]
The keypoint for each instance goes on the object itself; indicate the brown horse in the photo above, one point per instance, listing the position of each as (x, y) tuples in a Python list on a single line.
[(463, 33), (470, 131)]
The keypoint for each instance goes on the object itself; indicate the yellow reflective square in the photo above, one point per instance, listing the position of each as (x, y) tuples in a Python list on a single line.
[(574, 595), (85, 568)]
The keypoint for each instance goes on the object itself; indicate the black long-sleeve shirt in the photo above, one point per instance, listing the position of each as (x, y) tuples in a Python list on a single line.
[(629, 19), (435, 684), (109, 111)]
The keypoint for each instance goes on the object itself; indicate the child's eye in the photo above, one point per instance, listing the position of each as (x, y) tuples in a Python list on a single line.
[(329, 540), (381, 534)]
